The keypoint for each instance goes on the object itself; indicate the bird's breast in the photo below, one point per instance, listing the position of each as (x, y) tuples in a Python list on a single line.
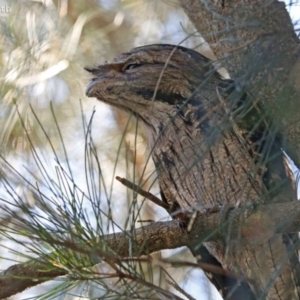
[(195, 171)]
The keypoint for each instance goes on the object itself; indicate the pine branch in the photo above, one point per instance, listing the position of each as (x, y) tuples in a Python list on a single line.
[(250, 226)]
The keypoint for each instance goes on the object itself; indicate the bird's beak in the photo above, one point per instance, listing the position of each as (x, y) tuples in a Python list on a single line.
[(91, 85)]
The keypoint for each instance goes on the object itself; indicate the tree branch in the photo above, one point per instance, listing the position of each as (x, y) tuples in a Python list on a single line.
[(246, 226)]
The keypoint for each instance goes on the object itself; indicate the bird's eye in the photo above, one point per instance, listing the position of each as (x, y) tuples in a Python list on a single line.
[(131, 66)]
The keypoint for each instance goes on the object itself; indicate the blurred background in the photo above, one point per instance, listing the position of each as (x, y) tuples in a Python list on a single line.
[(60, 151)]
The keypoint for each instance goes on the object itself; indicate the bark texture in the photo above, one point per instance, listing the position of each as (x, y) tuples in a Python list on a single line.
[(256, 42), (212, 144)]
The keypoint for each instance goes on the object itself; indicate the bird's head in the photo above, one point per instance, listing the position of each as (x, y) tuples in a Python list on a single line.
[(156, 77)]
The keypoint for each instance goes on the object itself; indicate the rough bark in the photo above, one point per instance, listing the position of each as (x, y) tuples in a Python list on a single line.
[(256, 42)]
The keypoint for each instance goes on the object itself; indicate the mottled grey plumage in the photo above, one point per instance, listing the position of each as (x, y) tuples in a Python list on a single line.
[(210, 146)]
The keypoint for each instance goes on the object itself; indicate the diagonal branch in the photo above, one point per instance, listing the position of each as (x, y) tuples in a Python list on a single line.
[(248, 226)]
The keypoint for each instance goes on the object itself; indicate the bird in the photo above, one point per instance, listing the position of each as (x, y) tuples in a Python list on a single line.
[(212, 144)]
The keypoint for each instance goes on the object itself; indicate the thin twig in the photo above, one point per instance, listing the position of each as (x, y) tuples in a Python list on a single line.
[(142, 192)]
